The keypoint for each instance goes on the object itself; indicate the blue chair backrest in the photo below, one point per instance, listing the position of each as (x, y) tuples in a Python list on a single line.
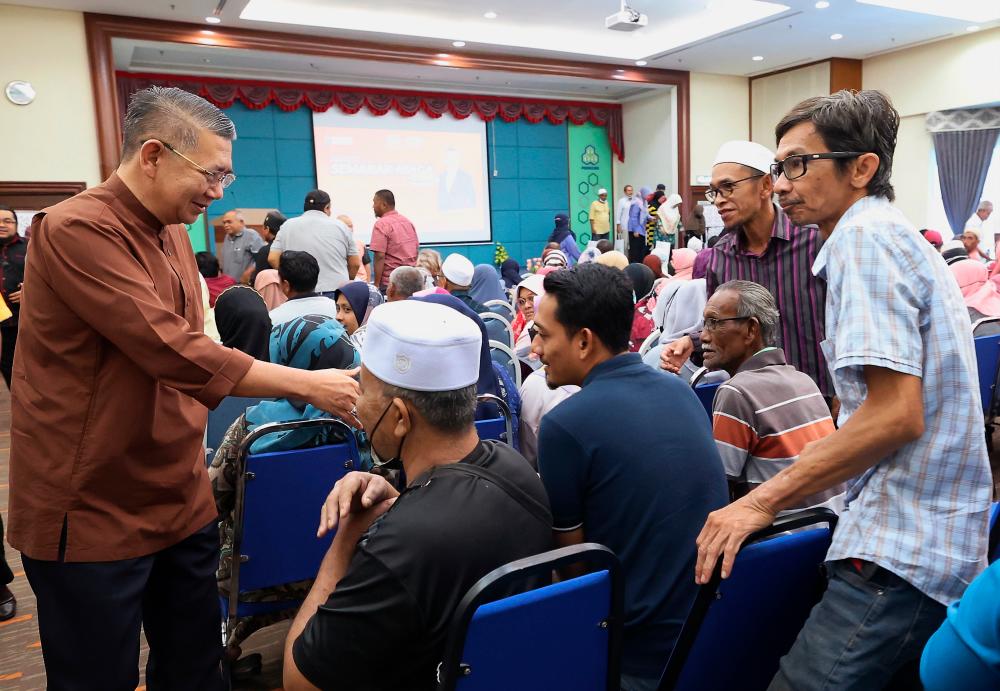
[(502, 308), (498, 331), (987, 357), (561, 636), (706, 394), (513, 643), (281, 506), (750, 620), (219, 420), (492, 429)]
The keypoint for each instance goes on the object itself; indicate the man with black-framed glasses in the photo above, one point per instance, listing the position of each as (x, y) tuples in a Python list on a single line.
[(761, 244), (910, 440)]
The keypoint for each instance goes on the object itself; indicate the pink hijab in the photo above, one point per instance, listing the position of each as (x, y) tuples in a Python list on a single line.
[(986, 300), (971, 275), (269, 286), (683, 262)]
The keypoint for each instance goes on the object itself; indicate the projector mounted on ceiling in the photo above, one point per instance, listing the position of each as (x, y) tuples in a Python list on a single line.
[(626, 19)]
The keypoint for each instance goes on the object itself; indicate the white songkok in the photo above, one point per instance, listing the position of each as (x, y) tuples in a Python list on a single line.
[(422, 346), (601, 191), (750, 154), (458, 269)]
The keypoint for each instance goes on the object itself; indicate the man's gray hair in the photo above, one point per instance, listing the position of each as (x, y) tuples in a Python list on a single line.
[(984, 205), (754, 300), (171, 115), (406, 280), (445, 411)]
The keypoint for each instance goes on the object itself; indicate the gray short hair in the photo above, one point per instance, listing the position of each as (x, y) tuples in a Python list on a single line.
[(175, 115), (754, 300), (984, 205), (406, 280), (446, 411)]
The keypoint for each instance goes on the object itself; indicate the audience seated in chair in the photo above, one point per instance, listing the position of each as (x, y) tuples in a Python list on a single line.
[(537, 399), (243, 321), (379, 611), (457, 274), (217, 282), (768, 411), (486, 285), (525, 294), (310, 342), (617, 470), (404, 281), (355, 302), (298, 273)]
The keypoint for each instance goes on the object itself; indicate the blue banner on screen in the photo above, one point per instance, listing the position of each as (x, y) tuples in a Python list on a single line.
[(435, 167)]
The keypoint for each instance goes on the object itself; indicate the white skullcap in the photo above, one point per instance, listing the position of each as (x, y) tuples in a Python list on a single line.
[(422, 346), (749, 154), (601, 191), (458, 269)]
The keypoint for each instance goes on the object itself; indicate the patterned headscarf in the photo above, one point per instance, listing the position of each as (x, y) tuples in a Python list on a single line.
[(311, 342)]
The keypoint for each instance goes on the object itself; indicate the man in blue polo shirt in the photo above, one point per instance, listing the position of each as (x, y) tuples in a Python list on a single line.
[(628, 462)]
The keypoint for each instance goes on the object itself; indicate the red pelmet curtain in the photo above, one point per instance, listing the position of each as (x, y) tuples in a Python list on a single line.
[(257, 95)]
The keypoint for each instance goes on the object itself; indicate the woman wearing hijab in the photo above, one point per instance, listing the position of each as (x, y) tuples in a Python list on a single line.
[(670, 219), (355, 302), (683, 262), (614, 259), (638, 215), (971, 276), (241, 315), (984, 303), (268, 284), (312, 342), (641, 277), (510, 271), (655, 265), (565, 238), (486, 285), (527, 291)]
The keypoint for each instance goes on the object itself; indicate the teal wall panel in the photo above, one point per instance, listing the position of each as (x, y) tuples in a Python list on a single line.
[(275, 166)]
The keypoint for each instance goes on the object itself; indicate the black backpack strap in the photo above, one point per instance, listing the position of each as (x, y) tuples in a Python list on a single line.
[(529, 503)]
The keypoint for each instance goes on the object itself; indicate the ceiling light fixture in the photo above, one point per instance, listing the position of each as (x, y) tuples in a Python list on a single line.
[(619, 71), (458, 44), (757, 58), (822, 5), (836, 37), (490, 15), (212, 19), (972, 28), (208, 32), (444, 55), (640, 63)]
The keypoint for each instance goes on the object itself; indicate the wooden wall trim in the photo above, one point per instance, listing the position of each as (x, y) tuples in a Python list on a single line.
[(38, 195), (102, 28)]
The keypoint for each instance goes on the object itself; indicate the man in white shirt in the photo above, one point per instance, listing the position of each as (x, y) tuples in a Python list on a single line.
[(978, 223), (621, 211), (298, 272), (327, 239)]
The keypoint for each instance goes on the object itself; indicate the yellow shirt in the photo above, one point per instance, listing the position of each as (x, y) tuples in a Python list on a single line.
[(600, 217)]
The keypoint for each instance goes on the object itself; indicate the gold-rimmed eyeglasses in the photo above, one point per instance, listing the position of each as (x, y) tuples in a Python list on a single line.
[(214, 177)]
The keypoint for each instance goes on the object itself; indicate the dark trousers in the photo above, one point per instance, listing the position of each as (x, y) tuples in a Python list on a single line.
[(636, 248), (89, 614), (597, 237), (8, 339), (6, 575)]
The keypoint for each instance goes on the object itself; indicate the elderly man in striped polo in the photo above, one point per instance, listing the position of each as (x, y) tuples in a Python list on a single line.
[(768, 411)]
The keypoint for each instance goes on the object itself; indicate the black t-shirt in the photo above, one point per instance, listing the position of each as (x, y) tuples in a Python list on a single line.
[(385, 625)]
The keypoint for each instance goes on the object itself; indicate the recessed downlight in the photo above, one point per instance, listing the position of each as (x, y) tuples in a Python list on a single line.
[(822, 5), (757, 58), (640, 63), (458, 44), (212, 19), (490, 15), (836, 37)]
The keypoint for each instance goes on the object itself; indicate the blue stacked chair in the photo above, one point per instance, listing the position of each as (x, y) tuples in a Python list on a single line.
[(500, 428), (988, 369), (561, 636), (739, 628), (278, 500)]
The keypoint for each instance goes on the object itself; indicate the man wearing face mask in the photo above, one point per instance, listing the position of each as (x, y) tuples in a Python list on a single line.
[(401, 562)]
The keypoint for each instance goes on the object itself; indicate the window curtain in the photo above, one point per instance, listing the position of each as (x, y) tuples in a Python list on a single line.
[(317, 97), (963, 143)]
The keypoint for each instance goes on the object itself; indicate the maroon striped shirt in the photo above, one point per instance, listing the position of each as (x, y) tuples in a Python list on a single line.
[(784, 268)]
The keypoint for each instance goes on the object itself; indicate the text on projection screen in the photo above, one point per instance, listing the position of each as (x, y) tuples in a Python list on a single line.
[(435, 167)]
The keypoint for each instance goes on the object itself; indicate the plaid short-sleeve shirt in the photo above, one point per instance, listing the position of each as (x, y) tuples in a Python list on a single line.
[(921, 512)]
